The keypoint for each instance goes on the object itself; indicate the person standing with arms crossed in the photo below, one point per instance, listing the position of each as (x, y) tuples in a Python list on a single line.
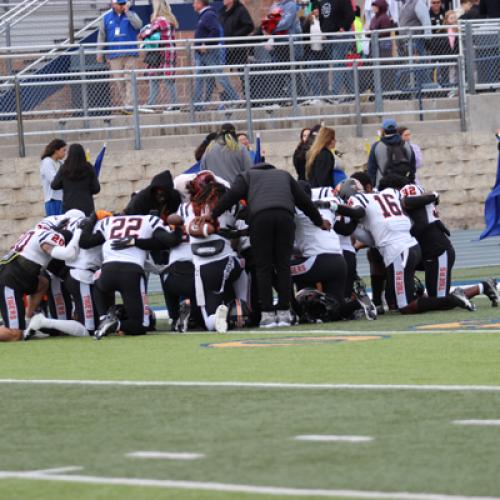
[(120, 25), (52, 159)]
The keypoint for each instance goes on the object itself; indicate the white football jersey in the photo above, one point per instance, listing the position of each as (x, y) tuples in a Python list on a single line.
[(29, 245), (227, 219), (386, 221), (122, 226), (88, 259), (311, 240), (417, 190)]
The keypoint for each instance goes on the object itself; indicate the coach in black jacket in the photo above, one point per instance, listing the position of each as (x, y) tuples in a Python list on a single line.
[(271, 197), (236, 22)]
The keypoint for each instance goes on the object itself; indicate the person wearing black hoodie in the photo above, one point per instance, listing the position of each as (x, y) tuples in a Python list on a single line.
[(271, 196), (160, 195)]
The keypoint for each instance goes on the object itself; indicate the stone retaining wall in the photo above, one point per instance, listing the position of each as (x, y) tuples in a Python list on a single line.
[(462, 167)]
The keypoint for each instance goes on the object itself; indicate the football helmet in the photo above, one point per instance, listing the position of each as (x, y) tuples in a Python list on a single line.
[(314, 306), (348, 188), (238, 314)]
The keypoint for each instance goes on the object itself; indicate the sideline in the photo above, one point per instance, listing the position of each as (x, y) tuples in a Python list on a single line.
[(258, 385), (230, 488)]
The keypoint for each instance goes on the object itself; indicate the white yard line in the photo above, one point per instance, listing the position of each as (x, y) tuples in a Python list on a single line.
[(477, 422), (325, 438), (234, 488), (260, 385), (165, 455), (242, 333)]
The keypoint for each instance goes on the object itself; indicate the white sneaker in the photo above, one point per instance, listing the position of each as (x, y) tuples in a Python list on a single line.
[(268, 320), (284, 318), (221, 319), (35, 324)]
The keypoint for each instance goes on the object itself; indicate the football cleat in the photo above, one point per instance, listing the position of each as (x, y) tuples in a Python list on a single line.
[(221, 319), (109, 324), (35, 324), (268, 319), (462, 300), (419, 287), (184, 315), (284, 318), (490, 290), (369, 309)]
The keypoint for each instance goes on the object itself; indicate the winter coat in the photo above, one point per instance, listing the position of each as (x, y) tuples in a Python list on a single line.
[(265, 188), (381, 21), (144, 201), (236, 22), (489, 8), (77, 193), (321, 174)]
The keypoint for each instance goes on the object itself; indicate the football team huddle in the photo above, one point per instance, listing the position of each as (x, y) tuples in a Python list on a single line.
[(63, 275)]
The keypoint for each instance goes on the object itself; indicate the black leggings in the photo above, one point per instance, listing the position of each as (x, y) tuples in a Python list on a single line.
[(178, 283), (128, 279), (352, 273), (272, 233), (438, 273)]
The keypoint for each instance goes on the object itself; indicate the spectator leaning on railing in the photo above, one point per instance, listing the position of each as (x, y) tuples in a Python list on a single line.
[(209, 26), (120, 25)]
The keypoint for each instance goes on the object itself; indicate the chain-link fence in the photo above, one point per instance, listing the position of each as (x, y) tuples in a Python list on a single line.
[(265, 82)]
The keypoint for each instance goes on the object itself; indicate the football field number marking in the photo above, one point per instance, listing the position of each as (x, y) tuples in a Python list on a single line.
[(324, 438), (165, 455)]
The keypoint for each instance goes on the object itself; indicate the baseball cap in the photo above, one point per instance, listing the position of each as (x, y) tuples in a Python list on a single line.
[(120, 2), (390, 125)]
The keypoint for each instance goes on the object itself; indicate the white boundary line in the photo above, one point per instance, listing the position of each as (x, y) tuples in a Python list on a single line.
[(165, 455), (267, 333), (234, 488), (330, 438), (477, 422), (259, 385)]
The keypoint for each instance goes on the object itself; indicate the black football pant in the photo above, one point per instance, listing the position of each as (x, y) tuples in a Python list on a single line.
[(272, 233), (127, 279), (83, 298), (352, 273), (438, 273), (178, 283)]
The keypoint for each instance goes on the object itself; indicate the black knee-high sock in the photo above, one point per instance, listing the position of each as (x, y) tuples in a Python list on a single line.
[(425, 304), (378, 286)]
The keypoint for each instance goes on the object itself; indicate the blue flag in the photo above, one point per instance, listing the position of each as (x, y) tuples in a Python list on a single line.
[(492, 209), (258, 155), (98, 160)]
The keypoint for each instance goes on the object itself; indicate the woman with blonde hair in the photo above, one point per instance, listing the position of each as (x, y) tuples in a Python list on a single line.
[(161, 34), (320, 160)]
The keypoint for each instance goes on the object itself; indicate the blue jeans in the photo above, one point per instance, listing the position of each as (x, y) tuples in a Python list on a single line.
[(339, 50), (154, 89), (204, 86), (318, 80), (422, 76), (53, 207)]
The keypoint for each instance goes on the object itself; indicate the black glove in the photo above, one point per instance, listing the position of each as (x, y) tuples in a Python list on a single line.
[(229, 233), (88, 222), (123, 243), (60, 225)]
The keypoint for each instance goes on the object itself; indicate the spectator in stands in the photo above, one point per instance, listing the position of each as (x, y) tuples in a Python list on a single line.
[(436, 45), (337, 16), (282, 20), (299, 155), (236, 22), (382, 21), (470, 10), (437, 13), (450, 46), (52, 158), (208, 54), (225, 156), (489, 8), (78, 181), (162, 28), (320, 160), (405, 134), (315, 51), (244, 140), (120, 25), (414, 13), (392, 11)]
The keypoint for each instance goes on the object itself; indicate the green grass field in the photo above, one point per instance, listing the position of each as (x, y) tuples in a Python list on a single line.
[(239, 400)]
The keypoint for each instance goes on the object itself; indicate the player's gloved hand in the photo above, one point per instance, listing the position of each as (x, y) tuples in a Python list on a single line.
[(436, 194), (229, 233), (122, 243), (88, 222), (60, 225)]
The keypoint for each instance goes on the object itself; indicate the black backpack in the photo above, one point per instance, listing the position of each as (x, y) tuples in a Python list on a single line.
[(398, 160)]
